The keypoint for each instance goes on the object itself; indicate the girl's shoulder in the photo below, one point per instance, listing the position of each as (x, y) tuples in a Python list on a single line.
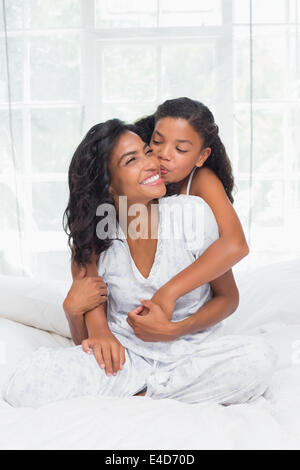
[(206, 182), (205, 172)]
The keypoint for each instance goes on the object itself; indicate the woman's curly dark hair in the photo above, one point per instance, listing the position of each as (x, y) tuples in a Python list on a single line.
[(202, 120), (89, 180)]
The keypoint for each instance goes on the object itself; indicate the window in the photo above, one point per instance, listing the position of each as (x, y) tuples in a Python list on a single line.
[(77, 62)]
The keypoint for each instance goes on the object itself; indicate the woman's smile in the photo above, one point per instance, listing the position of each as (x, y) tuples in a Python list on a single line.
[(152, 180)]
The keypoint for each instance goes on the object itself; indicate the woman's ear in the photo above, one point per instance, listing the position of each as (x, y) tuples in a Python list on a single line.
[(204, 154)]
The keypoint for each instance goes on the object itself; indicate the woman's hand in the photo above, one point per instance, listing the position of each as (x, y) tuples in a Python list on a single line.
[(153, 326), (84, 295), (108, 351)]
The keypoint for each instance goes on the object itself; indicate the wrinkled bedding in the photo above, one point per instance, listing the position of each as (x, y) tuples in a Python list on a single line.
[(269, 306)]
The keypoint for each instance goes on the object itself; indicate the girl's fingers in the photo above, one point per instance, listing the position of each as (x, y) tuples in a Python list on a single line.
[(138, 310), (86, 346), (107, 359), (99, 356), (122, 357), (112, 359), (147, 303), (115, 354), (129, 322)]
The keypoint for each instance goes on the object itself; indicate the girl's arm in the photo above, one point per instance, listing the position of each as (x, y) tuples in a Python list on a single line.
[(224, 302), (156, 326), (221, 255)]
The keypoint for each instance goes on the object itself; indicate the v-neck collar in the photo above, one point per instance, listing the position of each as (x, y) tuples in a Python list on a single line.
[(157, 252)]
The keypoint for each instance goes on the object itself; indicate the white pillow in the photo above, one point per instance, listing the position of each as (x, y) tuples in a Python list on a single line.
[(267, 294), (17, 340), (34, 303)]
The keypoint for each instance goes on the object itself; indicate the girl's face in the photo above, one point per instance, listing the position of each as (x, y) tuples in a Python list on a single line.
[(178, 147), (135, 171)]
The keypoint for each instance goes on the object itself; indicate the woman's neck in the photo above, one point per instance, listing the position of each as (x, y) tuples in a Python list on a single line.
[(138, 219)]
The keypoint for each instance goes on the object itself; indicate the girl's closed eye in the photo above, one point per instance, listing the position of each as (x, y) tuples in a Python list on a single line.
[(180, 150), (155, 142)]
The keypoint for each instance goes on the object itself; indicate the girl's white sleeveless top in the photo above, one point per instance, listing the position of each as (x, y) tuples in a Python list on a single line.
[(186, 228)]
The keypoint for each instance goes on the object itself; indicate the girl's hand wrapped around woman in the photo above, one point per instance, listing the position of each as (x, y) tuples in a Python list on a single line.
[(152, 325), (108, 351)]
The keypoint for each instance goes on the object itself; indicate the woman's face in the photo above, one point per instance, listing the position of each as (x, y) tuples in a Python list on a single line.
[(178, 147), (135, 171)]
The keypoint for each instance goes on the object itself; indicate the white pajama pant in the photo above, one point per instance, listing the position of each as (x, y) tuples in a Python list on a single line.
[(229, 370)]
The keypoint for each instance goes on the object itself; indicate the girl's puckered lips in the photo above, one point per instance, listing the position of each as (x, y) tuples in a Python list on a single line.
[(164, 170)]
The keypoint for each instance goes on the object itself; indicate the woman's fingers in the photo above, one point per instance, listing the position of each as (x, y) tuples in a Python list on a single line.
[(102, 291), (97, 279), (103, 299), (102, 294)]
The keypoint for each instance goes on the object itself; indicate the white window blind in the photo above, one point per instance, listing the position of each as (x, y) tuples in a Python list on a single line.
[(74, 63)]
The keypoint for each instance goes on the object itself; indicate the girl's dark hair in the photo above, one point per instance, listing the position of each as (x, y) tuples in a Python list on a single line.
[(89, 180), (202, 120)]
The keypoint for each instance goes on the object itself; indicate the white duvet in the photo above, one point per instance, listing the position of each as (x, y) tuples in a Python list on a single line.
[(269, 306)]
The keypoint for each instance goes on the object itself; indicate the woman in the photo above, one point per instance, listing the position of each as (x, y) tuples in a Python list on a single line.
[(185, 138), (178, 359)]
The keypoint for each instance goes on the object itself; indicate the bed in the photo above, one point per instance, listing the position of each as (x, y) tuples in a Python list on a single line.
[(31, 316)]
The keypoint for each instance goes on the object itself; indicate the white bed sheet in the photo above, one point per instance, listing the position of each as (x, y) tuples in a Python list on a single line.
[(272, 422)]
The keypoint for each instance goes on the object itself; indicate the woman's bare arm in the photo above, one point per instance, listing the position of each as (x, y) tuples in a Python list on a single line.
[(87, 294), (95, 332), (76, 322)]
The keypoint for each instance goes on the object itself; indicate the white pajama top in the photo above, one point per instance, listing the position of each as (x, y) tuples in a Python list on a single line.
[(186, 228)]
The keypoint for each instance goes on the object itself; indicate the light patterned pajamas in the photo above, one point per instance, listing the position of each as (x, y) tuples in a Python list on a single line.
[(206, 367)]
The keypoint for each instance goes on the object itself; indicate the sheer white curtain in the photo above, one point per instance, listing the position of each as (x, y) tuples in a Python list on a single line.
[(67, 64)]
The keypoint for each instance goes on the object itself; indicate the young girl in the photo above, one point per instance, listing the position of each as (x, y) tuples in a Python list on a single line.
[(193, 160), (165, 356)]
